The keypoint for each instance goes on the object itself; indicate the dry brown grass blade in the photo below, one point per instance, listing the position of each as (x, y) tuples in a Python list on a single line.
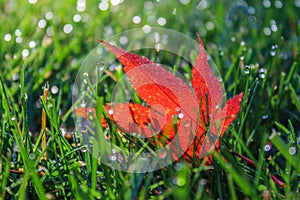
[(44, 121)]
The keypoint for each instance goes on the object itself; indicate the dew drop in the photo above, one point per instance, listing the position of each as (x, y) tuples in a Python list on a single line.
[(18, 32), (161, 21), (202, 5), (68, 28), (262, 73), (123, 40), (32, 1), (184, 2), (274, 28), (148, 5), (25, 53), (267, 147), (31, 156), (278, 4), (19, 39), (42, 23), (247, 69), (267, 3), (272, 21), (115, 2), (112, 158), (146, 29), (110, 112), (81, 5), (85, 75), (32, 44), (136, 19), (210, 26), (274, 47), (76, 18), (267, 31), (54, 89), (103, 5), (292, 150), (262, 76), (38, 104), (7, 37), (50, 31), (85, 17), (49, 15), (251, 10), (180, 115), (273, 50), (179, 182)]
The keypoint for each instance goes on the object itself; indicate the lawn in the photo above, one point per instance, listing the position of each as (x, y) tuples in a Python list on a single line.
[(47, 48)]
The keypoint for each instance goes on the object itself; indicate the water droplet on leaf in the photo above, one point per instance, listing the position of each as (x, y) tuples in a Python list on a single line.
[(136, 19), (7, 37), (292, 150), (267, 147), (180, 115), (247, 69), (54, 89), (32, 156), (112, 158), (179, 182)]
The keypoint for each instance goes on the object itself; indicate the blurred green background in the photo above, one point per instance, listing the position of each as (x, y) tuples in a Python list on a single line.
[(51, 38)]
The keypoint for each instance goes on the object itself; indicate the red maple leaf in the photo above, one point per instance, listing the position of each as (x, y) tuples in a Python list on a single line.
[(201, 116)]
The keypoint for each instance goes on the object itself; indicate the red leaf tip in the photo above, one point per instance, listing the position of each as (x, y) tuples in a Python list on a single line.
[(200, 40)]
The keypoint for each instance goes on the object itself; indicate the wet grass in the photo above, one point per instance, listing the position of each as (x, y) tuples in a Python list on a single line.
[(255, 46)]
